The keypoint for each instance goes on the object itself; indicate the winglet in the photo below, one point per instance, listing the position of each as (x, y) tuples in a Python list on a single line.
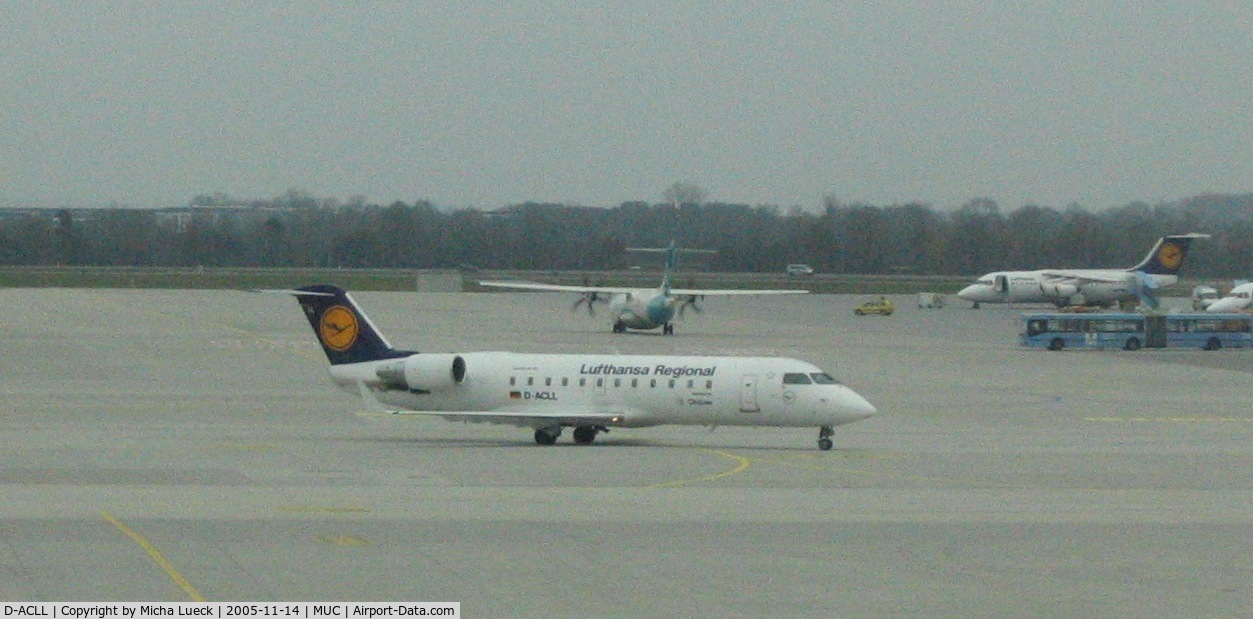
[(372, 403)]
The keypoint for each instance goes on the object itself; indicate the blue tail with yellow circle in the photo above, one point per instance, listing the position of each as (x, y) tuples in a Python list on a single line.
[(346, 334), (1167, 255)]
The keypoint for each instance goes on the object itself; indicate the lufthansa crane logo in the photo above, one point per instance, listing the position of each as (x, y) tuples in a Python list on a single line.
[(1170, 256), (338, 328)]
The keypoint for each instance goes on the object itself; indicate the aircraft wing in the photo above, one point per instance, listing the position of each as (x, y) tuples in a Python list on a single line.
[(516, 415), (572, 416), (714, 293), (1084, 276), (559, 288)]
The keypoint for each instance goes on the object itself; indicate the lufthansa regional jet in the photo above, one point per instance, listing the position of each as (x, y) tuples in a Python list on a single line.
[(1064, 287), (589, 393), (640, 308)]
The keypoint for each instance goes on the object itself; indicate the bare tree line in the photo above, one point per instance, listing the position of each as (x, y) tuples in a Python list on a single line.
[(296, 230)]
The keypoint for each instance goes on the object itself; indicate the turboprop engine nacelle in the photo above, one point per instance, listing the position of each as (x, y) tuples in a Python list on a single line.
[(423, 373), (1060, 290)]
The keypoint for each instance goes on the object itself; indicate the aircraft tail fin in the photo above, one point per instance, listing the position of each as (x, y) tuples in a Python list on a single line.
[(1167, 255), (346, 334), (671, 263)]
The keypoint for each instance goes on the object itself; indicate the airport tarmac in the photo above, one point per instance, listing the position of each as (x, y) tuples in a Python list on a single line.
[(164, 445)]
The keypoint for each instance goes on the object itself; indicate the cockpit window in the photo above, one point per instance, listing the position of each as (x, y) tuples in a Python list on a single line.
[(822, 378), (796, 378)]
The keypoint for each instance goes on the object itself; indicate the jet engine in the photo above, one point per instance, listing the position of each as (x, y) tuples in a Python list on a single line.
[(423, 373), (1059, 290)]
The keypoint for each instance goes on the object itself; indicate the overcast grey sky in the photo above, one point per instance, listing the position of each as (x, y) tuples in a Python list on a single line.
[(494, 103)]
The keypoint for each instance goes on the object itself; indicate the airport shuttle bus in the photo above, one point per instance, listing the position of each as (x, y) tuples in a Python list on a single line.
[(1128, 331)]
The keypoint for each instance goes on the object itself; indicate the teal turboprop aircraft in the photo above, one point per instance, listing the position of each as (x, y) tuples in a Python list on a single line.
[(640, 308)]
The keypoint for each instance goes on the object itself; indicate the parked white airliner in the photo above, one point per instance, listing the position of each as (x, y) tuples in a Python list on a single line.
[(1064, 287), (590, 393), (640, 308), (1240, 298)]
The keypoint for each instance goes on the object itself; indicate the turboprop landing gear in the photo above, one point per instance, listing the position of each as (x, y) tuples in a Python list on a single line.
[(548, 436), (824, 438), (584, 435)]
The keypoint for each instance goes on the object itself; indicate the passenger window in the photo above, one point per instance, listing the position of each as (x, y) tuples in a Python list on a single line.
[(796, 378), (635, 382), (652, 383), (709, 384), (617, 382), (530, 380), (672, 383), (582, 382), (548, 382), (565, 381), (600, 382), (513, 380), (690, 383)]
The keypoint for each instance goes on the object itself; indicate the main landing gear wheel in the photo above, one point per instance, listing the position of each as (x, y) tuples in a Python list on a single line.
[(824, 438), (584, 435), (547, 436), (619, 327), (667, 329)]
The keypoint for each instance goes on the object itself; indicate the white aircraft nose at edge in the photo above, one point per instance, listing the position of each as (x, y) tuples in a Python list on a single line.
[(1240, 298), (589, 393)]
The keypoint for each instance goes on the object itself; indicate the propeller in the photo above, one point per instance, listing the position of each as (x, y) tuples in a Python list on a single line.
[(1144, 286), (689, 301), (591, 299)]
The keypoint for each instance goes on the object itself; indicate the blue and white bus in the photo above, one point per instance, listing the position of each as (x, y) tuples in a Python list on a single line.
[(1057, 330)]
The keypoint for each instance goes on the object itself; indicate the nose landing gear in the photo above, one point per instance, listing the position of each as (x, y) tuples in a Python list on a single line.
[(824, 438)]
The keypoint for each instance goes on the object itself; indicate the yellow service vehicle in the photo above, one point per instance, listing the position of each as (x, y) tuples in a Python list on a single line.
[(881, 306)]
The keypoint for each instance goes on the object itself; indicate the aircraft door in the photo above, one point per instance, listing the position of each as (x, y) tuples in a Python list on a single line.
[(748, 394), (1001, 284)]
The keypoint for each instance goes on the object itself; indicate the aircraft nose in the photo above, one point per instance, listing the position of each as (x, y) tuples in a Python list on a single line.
[(973, 292), (857, 407), (1222, 305)]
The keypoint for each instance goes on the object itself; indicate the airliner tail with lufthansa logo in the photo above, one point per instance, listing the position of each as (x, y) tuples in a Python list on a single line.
[(590, 394), (1080, 287)]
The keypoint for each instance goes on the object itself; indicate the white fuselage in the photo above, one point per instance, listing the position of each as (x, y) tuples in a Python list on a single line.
[(636, 390), (646, 308), (1240, 298), (1077, 287)]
